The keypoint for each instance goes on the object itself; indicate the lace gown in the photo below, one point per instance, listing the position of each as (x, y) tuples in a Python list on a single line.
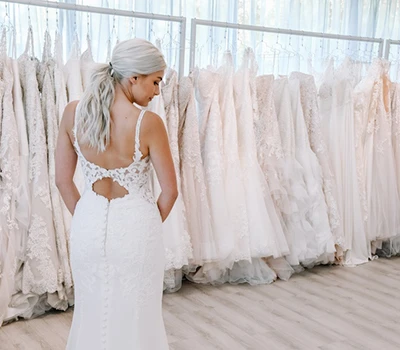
[(41, 266), (45, 79), (376, 165), (266, 234), (337, 120), (9, 168), (392, 247), (236, 200), (176, 237), (193, 186), (317, 213), (117, 258), (206, 92), (178, 245), (303, 247), (282, 173), (20, 304), (309, 104)]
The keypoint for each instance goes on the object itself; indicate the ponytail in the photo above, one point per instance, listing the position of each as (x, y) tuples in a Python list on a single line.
[(93, 111)]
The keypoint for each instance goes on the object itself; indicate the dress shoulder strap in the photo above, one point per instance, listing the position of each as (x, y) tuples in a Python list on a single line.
[(138, 153), (75, 131)]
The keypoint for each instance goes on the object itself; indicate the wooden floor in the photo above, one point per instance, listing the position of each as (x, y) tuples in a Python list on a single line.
[(326, 308)]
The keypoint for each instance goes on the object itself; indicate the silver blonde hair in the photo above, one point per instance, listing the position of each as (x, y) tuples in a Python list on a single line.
[(129, 58)]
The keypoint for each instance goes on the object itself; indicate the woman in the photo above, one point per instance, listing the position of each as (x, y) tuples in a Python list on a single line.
[(117, 254)]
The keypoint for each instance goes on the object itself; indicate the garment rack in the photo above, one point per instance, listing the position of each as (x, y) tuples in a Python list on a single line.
[(115, 12), (197, 22), (388, 44)]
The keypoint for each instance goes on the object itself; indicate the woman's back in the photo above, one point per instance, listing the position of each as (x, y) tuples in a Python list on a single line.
[(116, 243), (110, 173)]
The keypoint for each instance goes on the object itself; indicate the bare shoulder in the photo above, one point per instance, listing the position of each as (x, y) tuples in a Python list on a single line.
[(69, 114), (152, 123)]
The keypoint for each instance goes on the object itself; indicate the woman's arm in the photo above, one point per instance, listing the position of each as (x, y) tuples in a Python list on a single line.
[(160, 153), (66, 159)]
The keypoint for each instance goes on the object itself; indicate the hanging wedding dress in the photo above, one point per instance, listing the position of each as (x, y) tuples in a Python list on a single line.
[(87, 64), (237, 267), (392, 247), (266, 235), (117, 258), (375, 154), (178, 248), (60, 85), (193, 186), (337, 120), (206, 92), (207, 85), (41, 266), (317, 214), (45, 78), (304, 245), (9, 177), (283, 182), (20, 304), (72, 72), (309, 104), (236, 200)]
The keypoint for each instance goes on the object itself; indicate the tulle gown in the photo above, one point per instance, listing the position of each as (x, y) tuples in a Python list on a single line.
[(275, 143), (309, 104), (193, 185), (317, 213), (267, 238), (337, 118), (375, 157), (178, 249)]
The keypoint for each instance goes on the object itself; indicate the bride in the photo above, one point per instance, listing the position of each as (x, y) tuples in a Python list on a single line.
[(116, 245)]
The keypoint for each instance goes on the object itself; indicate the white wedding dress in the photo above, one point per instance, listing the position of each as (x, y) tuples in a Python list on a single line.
[(375, 156), (317, 214), (303, 247), (41, 265), (309, 103), (9, 177), (45, 78), (117, 258), (267, 238), (193, 187), (337, 118)]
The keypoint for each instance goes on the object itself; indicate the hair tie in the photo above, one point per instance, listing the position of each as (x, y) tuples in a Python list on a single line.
[(111, 69)]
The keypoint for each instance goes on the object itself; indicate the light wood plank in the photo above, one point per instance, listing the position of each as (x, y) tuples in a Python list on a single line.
[(323, 308)]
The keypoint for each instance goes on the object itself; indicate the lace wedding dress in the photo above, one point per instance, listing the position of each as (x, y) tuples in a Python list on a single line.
[(267, 238), (375, 156), (309, 103), (337, 118), (9, 178), (87, 64), (276, 157), (45, 78), (118, 259), (192, 178), (317, 213), (41, 267)]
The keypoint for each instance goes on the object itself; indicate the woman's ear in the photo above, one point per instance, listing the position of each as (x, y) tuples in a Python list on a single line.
[(133, 80)]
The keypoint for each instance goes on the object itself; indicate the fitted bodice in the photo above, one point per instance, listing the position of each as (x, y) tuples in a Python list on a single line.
[(134, 178)]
